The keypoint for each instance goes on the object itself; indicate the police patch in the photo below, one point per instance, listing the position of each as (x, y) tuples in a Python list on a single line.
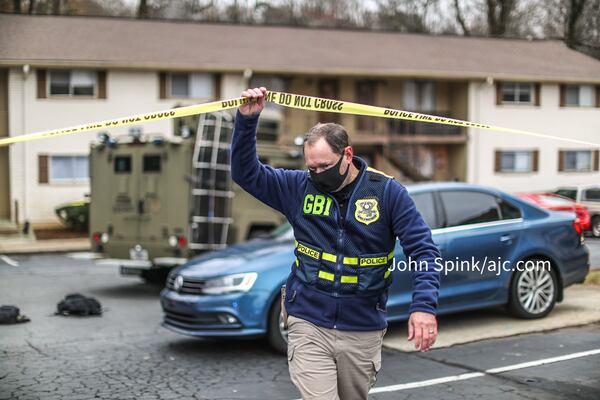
[(366, 211)]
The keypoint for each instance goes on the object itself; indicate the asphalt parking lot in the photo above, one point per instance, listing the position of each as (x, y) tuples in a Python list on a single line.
[(594, 245), (126, 354)]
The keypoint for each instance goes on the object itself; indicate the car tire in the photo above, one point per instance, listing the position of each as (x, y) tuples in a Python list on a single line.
[(276, 334), (596, 226), (533, 292)]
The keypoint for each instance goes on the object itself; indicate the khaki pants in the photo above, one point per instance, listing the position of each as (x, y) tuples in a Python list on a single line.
[(329, 364)]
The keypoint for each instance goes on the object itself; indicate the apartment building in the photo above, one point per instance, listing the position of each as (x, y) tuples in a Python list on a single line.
[(62, 71)]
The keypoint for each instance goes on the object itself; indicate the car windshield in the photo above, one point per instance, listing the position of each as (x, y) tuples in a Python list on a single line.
[(570, 193), (556, 201), (283, 232)]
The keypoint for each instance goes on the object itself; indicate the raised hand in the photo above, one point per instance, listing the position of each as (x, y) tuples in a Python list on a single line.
[(256, 103)]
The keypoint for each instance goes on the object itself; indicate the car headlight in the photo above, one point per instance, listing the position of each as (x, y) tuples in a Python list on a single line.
[(230, 283)]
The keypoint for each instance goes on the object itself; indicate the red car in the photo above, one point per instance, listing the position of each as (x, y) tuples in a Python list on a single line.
[(551, 201)]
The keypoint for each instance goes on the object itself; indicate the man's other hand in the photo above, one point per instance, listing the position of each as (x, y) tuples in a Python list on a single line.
[(423, 328), (256, 103)]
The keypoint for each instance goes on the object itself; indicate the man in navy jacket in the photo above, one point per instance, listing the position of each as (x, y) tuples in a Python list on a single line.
[(346, 217)]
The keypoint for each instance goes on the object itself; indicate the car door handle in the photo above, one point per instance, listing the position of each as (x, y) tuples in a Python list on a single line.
[(506, 239)]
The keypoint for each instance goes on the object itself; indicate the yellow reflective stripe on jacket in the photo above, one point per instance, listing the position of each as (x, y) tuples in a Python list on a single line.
[(297, 262), (363, 262), (387, 273), (379, 172), (326, 275), (349, 279), (329, 257), (351, 260)]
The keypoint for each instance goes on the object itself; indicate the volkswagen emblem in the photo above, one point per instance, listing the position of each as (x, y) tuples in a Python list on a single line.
[(178, 283)]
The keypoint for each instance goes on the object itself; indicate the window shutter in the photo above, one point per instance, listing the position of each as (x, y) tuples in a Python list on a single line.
[(162, 84), (101, 84), (537, 94), (535, 155), (562, 95), (497, 161), (498, 93), (561, 160), (41, 83), (596, 160), (42, 168)]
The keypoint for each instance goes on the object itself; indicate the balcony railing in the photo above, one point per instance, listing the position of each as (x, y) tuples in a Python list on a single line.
[(414, 128)]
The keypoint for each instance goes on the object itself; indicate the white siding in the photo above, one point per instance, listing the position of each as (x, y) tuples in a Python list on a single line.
[(549, 118), (128, 92)]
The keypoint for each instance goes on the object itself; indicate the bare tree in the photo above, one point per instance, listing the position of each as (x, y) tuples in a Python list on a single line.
[(460, 19), (498, 14), (142, 9), (403, 15), (574, 16), (56, 7)]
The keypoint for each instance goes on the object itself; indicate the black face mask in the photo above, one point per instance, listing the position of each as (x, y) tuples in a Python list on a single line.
[(330, 179)]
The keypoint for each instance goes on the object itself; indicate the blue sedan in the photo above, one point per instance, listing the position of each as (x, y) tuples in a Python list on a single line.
[(496, 250)]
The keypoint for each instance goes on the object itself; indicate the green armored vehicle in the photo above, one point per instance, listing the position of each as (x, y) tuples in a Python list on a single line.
[(155, 202)]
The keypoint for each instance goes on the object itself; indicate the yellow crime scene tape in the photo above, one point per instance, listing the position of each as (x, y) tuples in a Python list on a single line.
[(287, 100)]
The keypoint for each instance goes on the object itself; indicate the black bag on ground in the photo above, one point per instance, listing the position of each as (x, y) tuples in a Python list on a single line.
[(78, 304), (11, 315)]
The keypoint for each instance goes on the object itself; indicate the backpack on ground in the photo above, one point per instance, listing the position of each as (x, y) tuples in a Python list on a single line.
[(78, 304), (11, 315)]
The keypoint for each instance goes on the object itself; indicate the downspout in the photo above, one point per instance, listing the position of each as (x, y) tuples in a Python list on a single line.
[(24, 207)]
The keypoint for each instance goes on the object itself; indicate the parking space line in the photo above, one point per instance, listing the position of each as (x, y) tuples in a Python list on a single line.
[(492, 371), (543, 361), (9, 261)]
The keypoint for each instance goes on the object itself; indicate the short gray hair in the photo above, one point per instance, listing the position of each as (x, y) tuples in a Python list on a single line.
[(334, 134)]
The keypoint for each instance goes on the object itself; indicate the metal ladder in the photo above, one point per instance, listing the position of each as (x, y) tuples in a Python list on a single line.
[(211, 192)]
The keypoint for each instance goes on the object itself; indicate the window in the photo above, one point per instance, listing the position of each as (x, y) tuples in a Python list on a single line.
[(68, 169), (508, 210), (517, 93), (577, 161), (192, 85), (72, 83), (591, 195), (426, 206), (151, 163), (122, 165), (418, 95), (469, 207), (578, 95), (516, 161)]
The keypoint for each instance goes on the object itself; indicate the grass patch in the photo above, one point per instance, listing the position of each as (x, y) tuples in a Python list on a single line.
[(593, 278)]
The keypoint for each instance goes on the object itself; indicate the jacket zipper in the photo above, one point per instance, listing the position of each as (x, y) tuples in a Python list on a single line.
[(340, 241)]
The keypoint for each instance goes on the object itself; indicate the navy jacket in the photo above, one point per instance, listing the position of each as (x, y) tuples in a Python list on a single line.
[(283, 190)]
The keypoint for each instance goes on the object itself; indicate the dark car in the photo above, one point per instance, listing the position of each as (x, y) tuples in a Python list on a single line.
[(235, 291)]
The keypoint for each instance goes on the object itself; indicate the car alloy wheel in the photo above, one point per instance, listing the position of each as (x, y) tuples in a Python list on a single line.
[(596, 227), (535, 290)]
